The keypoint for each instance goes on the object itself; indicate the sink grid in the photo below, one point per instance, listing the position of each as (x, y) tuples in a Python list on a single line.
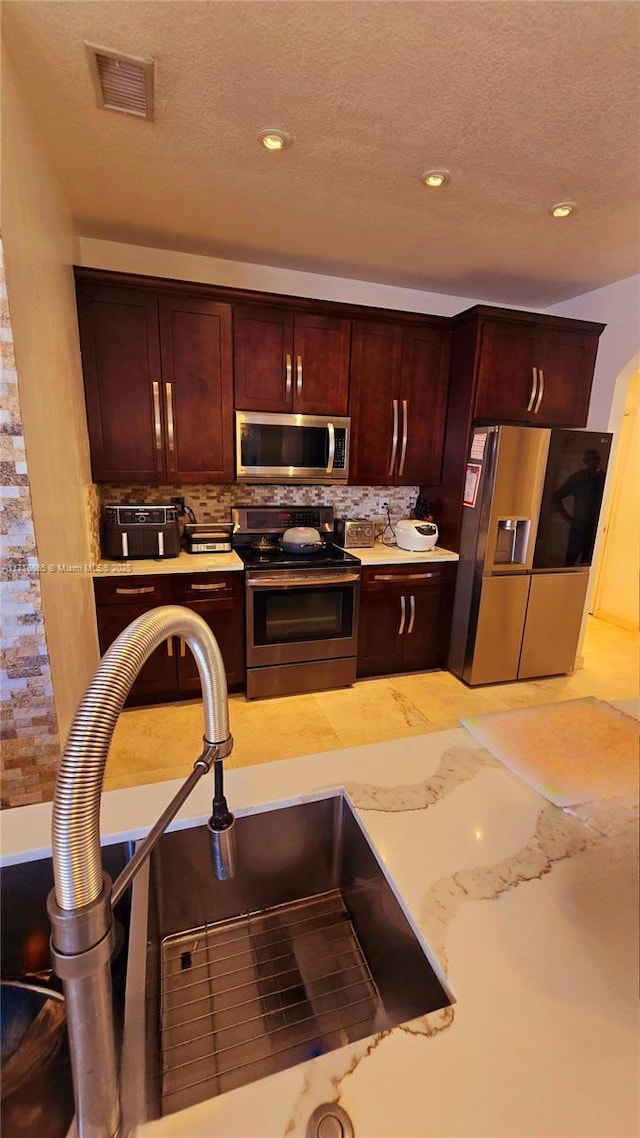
[(247, 997)]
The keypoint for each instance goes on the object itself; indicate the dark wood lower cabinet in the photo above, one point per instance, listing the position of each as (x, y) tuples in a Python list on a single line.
[(157, 678), (405, 618), (171, 671)]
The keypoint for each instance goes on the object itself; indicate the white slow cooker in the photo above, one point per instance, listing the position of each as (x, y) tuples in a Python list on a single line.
[(416, 536)]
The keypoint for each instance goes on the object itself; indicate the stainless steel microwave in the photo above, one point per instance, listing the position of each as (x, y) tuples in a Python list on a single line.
[(291, 448)]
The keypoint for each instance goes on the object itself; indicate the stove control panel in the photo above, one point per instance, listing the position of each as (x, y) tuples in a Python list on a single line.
[(276, 519)]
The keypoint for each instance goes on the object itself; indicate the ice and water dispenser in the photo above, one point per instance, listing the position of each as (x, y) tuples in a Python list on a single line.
[(512, 541)]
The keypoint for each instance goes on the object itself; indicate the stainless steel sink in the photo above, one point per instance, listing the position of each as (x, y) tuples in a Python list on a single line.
[(304, 950)]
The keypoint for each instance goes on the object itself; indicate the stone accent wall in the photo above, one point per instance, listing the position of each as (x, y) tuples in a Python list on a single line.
[(28, 724)]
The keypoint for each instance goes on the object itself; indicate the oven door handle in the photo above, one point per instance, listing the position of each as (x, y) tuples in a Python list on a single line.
[(286, 581)]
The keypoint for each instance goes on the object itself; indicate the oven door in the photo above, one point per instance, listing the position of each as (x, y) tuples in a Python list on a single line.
[(298, 616)]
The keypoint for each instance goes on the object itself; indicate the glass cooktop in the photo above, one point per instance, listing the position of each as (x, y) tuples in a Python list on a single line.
[(329, 555)]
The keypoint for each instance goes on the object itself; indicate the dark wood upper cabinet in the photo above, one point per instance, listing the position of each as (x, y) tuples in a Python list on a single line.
[(398, 403), (158, 383), (290, 362), (195, 339), (263, 357), (120, 344), (425, 378), (537, 371)]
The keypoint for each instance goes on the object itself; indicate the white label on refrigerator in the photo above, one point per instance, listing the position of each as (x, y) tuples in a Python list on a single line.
[(471, 481), (478, 444)]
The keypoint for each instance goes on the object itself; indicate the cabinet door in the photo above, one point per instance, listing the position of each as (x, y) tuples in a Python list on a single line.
[(263, 355), (423, 395), (566, 361), (158, 675), (380, 639), (428, 617), (321, 373), (121, 365), (197, 380), (506, 386), (376, 362), (225, 618)]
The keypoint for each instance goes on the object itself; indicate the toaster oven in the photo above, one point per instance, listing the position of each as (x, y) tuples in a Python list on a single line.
[(131, 532), (354, 533)]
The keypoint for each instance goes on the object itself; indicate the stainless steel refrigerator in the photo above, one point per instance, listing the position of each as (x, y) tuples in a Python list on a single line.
[(532, 501)]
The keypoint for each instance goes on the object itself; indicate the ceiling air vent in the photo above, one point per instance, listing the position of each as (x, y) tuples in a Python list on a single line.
[(121, 82)]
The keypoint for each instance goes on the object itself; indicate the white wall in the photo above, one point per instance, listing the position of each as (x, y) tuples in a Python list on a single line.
[(238, 274), (616, 597), (39, 250)]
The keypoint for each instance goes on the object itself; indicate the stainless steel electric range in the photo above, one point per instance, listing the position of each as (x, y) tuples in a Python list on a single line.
[(302, 608)]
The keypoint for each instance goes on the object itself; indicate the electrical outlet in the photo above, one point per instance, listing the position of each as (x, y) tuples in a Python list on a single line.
[(383, 506), (179, 502)]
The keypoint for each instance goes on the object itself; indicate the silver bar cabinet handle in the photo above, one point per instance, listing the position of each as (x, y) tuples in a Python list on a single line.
[(540, 393), (298, 375), (209, 588), (405, 576), (170, 646), (403, 613), (183, 649), (136, 592), (288, 372), (534, 387), (332, 447), (412, 617), (155, 387), (394, 441), (405, 435), (172, 445)]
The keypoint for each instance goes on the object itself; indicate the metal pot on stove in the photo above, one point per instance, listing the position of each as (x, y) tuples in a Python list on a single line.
[(301, 539)]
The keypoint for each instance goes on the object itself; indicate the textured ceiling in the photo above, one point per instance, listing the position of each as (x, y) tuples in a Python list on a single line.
[(526, 103)]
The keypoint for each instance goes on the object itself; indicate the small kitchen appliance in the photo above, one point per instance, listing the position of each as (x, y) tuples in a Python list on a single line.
[(139, 531), (291, 448), (355, 533), (415, 535), (208, 537), (302, 603)]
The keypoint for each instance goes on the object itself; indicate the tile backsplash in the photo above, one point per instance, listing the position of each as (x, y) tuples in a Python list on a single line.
[(212, 503)]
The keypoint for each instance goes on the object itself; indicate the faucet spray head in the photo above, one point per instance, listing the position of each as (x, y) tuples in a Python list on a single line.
[(221, 826)]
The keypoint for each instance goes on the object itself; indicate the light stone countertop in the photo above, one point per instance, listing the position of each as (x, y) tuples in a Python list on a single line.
[(381, 554), (230, 562), (183, 563), (531, 912)]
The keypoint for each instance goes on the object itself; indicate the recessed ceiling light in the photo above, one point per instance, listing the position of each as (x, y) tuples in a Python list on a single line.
[(435, 178), (563, 209), (272, 138)]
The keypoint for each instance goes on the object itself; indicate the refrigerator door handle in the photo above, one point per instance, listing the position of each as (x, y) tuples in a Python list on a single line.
[(403, 613), (534, 387), (540, 393)]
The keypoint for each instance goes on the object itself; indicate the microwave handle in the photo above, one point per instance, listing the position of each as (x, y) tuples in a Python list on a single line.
[(332, 447)]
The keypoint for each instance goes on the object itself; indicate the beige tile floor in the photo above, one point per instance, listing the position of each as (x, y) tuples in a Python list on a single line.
[(156, 743)]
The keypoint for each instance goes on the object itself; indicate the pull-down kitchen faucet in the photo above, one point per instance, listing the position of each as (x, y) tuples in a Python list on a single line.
[(80, 904)]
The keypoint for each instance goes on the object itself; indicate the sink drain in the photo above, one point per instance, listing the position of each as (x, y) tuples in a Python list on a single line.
[(329, 1121)]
